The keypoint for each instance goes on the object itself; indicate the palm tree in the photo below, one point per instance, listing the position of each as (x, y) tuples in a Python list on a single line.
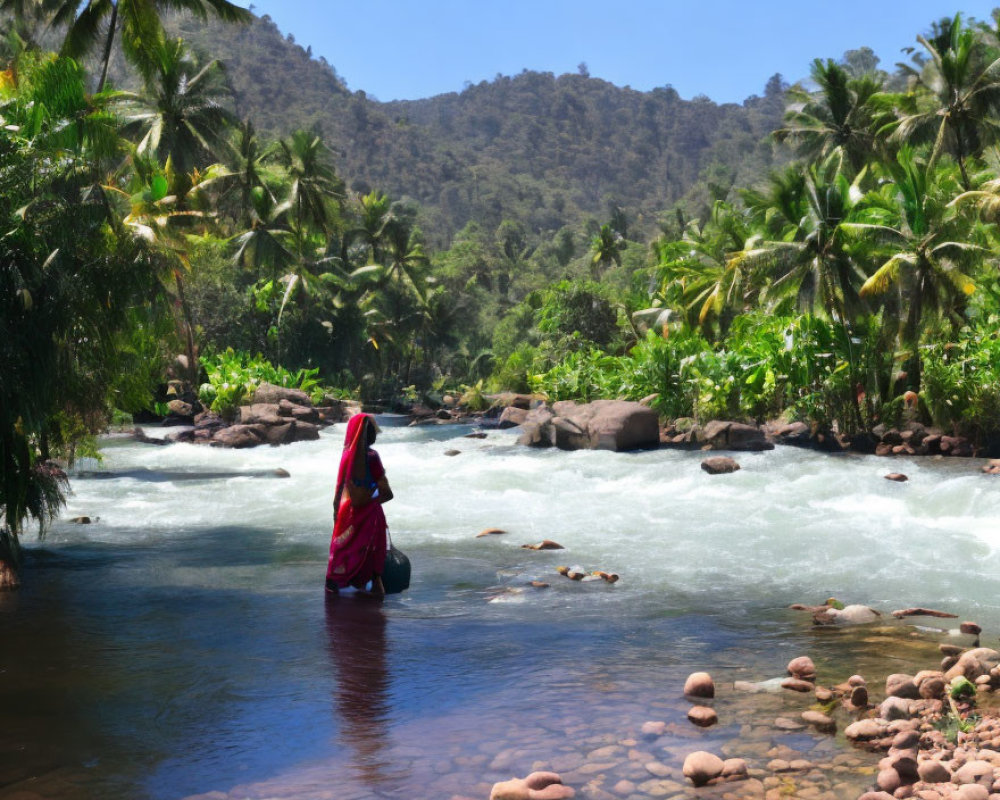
[(957, 93), (139, 20), (314, 184), (606, 249), (699, 271), (838, 115), (928, 248), (181, 115), (802, 250), (375, 217)]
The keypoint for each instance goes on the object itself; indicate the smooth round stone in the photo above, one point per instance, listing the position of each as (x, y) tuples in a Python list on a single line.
[(888, 780), (702, 716), (802, 668), (971, 791), (653, 728), (797, 685), (971, 628), (659, 769), (933, 771), (901, 685), (786, 724), (624, 787), (734, 768), (699, 684), (974, 772), (819, 721), (905, 740), (823, 695), (856, 680), (701, 766)]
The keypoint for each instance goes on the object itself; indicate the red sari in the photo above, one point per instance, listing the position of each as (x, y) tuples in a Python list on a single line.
[(358, 546)]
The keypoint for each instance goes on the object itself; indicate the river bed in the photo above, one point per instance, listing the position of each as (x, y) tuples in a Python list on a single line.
[(182, 645)]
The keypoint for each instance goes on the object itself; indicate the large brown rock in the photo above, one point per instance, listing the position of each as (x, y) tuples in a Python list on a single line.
[(271, 394), (974, 663), (728, 435), (512, 416), (600, 425), (261, 414), (237, 437)]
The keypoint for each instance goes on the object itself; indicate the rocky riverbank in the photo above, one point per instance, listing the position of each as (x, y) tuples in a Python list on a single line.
[(275, 415)]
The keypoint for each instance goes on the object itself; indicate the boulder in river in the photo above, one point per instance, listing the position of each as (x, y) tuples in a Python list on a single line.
[(719, 465), (729, 435), (700, 767), (601, 425), (699, 684)]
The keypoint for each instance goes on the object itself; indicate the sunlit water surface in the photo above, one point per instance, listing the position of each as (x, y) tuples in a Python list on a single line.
[(182, 644)]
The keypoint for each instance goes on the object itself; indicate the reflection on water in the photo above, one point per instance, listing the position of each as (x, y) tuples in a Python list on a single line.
[(355, 626)]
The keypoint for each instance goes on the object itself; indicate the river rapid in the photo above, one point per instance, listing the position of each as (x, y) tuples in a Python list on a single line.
[(182, 644)]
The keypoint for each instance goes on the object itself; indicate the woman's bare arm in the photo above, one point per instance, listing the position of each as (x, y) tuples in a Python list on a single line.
[(384, 491)]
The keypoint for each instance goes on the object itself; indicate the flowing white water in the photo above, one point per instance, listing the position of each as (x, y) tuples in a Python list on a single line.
[(182, 643), (790, 526)]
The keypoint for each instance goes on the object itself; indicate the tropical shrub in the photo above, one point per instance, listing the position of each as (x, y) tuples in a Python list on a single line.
[(233, 376)]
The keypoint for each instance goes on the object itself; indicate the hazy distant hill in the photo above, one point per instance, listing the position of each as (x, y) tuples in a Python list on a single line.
[(542, 149)]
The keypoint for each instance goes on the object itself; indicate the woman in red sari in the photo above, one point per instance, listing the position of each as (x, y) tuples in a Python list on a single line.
[(358, 547)]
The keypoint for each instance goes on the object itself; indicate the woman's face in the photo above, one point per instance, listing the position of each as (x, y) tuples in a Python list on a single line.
[(371, 432)]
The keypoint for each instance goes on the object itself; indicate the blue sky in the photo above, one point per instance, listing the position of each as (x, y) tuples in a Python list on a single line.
[(726, 49)]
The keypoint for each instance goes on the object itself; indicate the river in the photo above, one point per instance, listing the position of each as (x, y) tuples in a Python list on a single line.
[(181, 645)]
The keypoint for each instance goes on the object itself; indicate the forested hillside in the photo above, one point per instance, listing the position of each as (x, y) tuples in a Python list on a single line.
[(540, 149)]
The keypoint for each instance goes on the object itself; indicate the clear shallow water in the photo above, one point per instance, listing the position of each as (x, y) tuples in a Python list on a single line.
[(182, 644)]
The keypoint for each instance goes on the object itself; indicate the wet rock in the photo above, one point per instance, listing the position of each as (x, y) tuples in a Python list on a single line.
[(512, 417), (728, 435), (702, 716), (866, 729), (980, 772), (888, 780), (81, 520), (490, 532), (933, 771), (922, 612), (282, 473), (894, 708), (898, 477), (901, 685), (797, 685), (537, 786), (735, 769), (699, 684), (573, 573), (848, 615), (453, 452), (545, 544), (237, 437), (719, 465), (950, 649), (802, 668), (601, 425), (971, 628), (905, 740), (820, 721), (141, 436), (859, 697), (700, 767), (653, 729), (973, 663), (268, 393)]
